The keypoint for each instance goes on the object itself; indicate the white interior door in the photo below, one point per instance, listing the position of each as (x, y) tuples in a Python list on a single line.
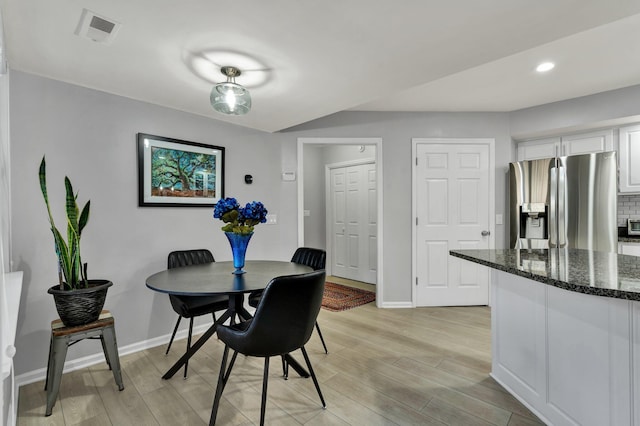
[(452, 190), (353, 222)]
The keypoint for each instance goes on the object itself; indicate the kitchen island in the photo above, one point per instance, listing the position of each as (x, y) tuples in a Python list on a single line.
[(565, 330)]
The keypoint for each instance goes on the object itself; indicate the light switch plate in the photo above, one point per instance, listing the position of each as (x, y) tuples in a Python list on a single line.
[(307, 213), (288, 176), (498, 219)]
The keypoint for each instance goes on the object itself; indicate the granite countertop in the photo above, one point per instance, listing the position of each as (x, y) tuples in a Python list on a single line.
[(582, 271), (635, 239)]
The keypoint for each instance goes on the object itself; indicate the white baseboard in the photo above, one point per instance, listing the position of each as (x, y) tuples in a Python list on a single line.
[(522, 401), (87, 361), (396, 305)]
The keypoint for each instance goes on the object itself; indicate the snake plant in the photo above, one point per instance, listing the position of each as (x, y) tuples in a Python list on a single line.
[(72, 274)]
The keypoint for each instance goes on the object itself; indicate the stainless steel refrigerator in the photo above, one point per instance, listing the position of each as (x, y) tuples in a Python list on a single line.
[(566, 202)]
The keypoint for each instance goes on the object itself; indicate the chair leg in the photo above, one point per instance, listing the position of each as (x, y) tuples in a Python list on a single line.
[(219, 387), (285, 368), (186, 364), (231, 364), (265, 380), (173, 334), (326, 351), (222, 381), (313, 375)]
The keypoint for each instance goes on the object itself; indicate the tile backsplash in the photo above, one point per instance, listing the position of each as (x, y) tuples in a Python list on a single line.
[(628, 205)]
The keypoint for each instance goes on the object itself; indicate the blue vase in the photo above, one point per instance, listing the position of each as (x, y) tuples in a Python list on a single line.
[(239, 245)]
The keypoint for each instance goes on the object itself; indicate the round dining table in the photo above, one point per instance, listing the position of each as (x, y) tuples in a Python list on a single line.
[(217, 278)]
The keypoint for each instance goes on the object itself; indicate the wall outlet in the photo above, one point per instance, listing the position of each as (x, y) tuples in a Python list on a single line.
[(272, 219), (288, 176)]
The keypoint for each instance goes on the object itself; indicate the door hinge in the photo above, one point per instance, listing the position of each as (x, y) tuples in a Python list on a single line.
[(416, 161), (416, 280), (416, 221)]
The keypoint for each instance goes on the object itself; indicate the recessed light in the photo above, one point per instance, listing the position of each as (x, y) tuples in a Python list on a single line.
[(545, 66)]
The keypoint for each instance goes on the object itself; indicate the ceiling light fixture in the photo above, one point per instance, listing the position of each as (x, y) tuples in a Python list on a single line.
[(545, 66), (229, 97)]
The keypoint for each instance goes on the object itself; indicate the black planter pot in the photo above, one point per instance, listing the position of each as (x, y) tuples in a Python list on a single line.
[(82, 306)]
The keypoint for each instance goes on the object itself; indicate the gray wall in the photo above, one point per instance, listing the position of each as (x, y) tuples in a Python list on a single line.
[(314, 197), (90, 136), (588, 112), (5, 205), (397, 131), (5, 180)]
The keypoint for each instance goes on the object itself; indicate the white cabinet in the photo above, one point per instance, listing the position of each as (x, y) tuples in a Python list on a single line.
[(632, 249), (539, 148), (583, 143), (629, 157), (586, 143), (572, 358)]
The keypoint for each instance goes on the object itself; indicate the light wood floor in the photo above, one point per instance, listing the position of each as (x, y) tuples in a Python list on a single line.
[(424, 366)]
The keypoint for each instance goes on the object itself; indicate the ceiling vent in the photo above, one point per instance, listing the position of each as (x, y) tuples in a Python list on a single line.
[(97, 28)]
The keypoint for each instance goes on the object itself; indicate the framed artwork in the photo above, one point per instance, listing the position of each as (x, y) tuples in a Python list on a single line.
[(173, 172)]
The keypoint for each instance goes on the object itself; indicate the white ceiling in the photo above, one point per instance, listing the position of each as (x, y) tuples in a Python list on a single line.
[(309, 58)]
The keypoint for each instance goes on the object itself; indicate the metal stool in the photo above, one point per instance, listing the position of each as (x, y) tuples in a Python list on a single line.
[(62, 337)]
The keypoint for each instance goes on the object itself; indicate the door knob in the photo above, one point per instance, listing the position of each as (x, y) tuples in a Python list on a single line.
[(485, 233)]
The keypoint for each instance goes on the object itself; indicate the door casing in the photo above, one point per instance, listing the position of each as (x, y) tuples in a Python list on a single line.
[(380, 302)]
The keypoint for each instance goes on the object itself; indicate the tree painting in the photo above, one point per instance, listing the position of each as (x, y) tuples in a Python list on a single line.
[(177, 173)]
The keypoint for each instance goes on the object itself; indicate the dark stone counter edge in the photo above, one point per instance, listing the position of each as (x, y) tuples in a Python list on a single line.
[(604, 292), (629, 239)]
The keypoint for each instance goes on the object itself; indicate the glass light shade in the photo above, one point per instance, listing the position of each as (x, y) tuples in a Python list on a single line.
[(230, 98)]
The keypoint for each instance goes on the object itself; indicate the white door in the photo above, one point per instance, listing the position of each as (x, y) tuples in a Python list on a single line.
[(352, 213), (452, 207)]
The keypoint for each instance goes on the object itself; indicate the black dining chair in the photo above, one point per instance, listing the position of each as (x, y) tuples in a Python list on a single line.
[(193, 306), (312, 257), (283, 323)]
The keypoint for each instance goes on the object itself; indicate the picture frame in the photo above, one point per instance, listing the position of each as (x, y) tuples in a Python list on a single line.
[(178, 173)]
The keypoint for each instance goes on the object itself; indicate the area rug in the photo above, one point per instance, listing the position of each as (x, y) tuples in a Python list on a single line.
[(338, 297)]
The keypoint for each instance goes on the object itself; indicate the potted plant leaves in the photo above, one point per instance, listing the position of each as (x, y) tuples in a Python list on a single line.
[(78, 300)]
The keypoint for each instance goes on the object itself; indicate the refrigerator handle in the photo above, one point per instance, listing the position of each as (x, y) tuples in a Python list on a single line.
[(562, 207), (551, 220)]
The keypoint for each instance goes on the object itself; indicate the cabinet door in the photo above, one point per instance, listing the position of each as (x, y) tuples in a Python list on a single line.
[(539, 148), (586, 143), (629, 142)]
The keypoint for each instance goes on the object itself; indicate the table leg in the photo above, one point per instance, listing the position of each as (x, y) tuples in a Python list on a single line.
[(236, 304), (197, 345)]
